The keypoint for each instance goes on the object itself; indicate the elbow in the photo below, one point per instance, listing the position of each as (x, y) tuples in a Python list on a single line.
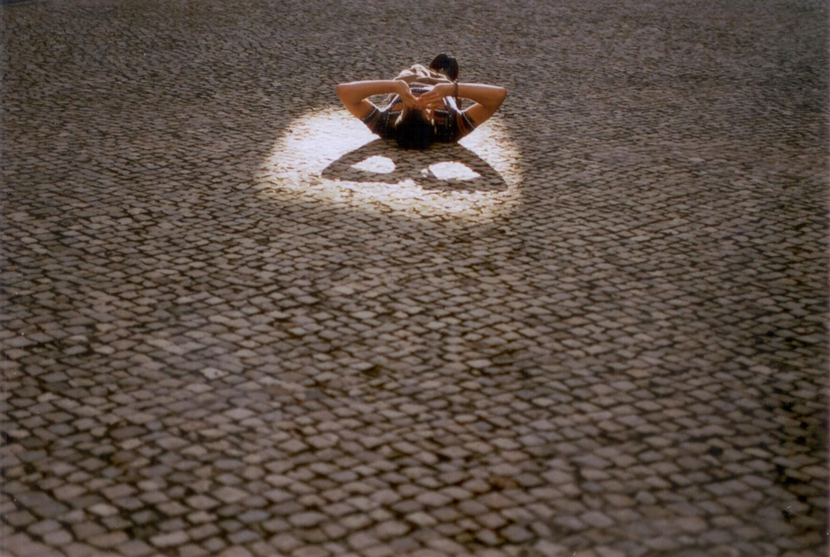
[(496, 99), (345, 92)]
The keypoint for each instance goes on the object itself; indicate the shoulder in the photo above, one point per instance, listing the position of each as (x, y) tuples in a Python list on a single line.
[(380, 121), (458, 124), (464, 122)]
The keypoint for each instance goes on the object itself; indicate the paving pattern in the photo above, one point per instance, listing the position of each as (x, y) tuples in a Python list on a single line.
[(233, 324)]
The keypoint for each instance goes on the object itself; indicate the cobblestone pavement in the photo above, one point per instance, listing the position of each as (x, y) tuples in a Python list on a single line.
[(233, 324)]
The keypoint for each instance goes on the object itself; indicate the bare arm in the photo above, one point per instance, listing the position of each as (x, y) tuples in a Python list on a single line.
[(487, 98), (354, 94)]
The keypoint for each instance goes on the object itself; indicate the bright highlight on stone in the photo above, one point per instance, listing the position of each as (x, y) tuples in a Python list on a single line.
[(452, 171), (376, 164)]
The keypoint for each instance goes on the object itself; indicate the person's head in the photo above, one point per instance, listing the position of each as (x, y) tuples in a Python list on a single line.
[(445, 64), (413, 129)]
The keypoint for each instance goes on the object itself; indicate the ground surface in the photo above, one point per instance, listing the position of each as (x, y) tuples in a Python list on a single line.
[(219, 336)]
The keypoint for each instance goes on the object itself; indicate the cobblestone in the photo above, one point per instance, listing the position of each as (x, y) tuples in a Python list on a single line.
[(232, 322)]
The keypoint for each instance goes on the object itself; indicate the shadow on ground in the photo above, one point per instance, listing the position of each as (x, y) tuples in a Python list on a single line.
[(476, 174)]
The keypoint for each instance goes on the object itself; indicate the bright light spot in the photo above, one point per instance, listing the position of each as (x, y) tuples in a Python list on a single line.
[(453, 171), (376, 164), (330, 156)]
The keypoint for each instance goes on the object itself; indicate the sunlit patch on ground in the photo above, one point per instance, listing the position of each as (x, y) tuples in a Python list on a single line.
[(452, 171), (330, 156), (376, 164)]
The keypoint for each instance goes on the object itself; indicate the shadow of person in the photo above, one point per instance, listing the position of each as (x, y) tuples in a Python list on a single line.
[(428, 169)]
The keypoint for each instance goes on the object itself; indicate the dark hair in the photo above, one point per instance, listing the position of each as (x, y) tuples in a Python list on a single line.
[(446, 64), (413, 130)]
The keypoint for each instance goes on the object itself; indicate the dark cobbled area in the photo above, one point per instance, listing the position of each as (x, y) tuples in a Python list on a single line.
[(232, 324)]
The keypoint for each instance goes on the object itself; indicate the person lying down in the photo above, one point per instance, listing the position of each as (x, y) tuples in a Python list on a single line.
[(423, 105)]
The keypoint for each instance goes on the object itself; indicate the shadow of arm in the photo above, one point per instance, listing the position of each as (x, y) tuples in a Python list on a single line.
[(343, 168), (488, 178), (409, 165)]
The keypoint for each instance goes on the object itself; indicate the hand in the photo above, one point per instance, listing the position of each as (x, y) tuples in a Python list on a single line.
[(409, 100), (435, 98)]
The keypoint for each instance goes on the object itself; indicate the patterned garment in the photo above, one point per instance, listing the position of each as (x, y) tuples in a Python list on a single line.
[(450, 124)]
